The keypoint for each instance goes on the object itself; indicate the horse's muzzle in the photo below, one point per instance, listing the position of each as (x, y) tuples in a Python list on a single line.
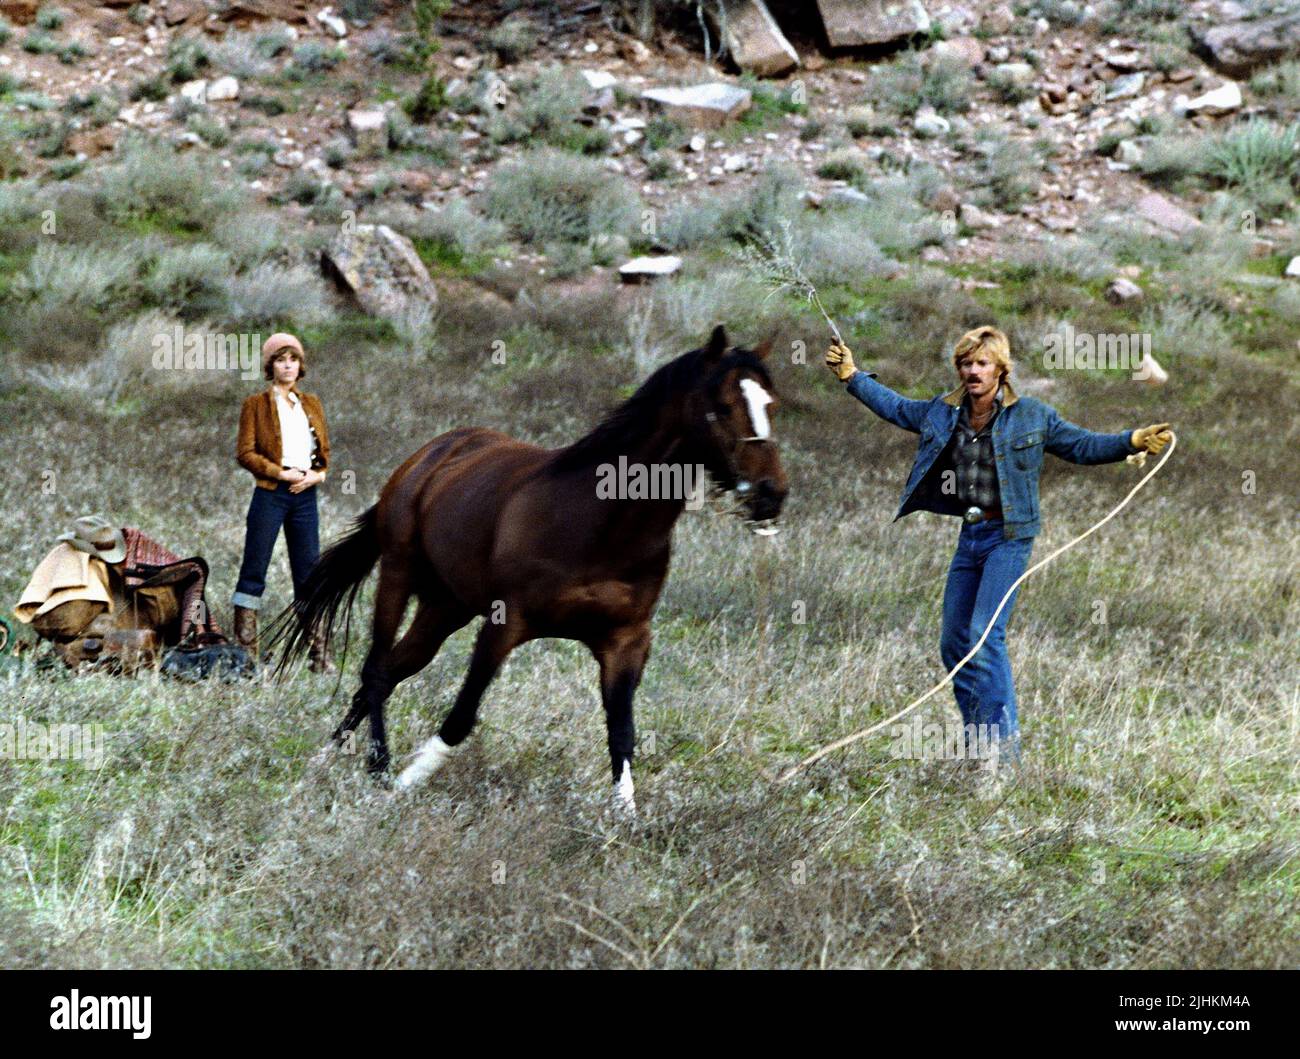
[(763, 499)]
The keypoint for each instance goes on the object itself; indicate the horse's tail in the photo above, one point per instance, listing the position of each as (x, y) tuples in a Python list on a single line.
[(331, 588)]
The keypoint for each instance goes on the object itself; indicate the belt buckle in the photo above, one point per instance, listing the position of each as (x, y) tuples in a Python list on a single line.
[(973, 515)]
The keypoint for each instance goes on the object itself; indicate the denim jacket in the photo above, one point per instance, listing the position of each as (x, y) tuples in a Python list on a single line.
[(1022, 432)]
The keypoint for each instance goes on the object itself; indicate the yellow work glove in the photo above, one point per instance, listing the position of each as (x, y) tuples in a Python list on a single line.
[(840, 361), (1151, 439)]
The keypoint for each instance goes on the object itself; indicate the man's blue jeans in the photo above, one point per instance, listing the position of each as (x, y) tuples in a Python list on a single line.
[(983, 568), (268, 510)]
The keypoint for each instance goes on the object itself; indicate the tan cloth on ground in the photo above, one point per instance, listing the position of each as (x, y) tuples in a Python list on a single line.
[(64, 574)]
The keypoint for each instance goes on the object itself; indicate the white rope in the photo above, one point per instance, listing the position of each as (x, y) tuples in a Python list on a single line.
[(830, 748)]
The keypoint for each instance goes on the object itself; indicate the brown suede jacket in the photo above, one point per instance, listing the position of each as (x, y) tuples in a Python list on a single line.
[(259, 447)]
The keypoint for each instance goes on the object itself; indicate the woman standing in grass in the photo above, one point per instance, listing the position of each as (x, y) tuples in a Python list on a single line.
[(283, 443), (979, 457)]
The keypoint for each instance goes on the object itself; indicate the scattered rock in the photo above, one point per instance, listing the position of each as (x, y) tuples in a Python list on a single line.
[(853, 23), (734, 163), (195, 91), (752, 37), (944, 200), (1293, 267), (697, 143), (846, 197), (178, 11), (1125, 86), (223, 88), (1129, 152), (929, 124), (956, 21), (1157, 209), (1240, 48), (1054, 97), (369, 129), (290, 158), (1015, 73), (1124, 60), (1225, 98), (250, 10), (998, 21), (976, 219), (599, 79), (380, 268), (708, 106), (966, 50), (634, 51), (1122, 291), (335, 25), (642, 269)]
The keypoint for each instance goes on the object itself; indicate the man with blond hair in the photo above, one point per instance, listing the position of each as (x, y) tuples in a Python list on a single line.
[(979, 457)]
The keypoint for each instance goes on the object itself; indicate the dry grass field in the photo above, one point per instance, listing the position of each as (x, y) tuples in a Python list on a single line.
[(1156, 822)]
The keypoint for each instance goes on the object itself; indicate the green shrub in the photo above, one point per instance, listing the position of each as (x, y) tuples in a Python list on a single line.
[(246, 54), (71, 52), (187, 58), (549, 196), (189, 279), (50, 18), (209, 130), (1253, 154), (311, 57), (154, 89), (40, 44), (845, 164), (1008, 88), (907, 84), (1005, 171), (428, 101), (454, 235), (513, 39), (272, 42), (154, 184)]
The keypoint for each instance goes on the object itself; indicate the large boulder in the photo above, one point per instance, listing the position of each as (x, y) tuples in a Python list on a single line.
[(1240, 48), (854, 23), (1159, 211), (705, 106), (752, 38), (380, 268)]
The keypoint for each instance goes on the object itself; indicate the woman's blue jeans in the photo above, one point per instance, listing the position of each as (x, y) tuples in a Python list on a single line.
[(984, 566), (267, 512)]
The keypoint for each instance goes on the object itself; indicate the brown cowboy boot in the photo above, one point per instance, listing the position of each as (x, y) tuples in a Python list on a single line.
[(246, 631), (319, 652)]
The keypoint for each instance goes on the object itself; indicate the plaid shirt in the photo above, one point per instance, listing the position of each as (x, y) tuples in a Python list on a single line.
[(973, 461)]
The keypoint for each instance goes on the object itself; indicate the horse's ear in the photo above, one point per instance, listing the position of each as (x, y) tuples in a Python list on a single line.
[(764, 349), (717, 343)]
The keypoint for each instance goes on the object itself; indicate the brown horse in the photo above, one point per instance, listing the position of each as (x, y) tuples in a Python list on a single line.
[(544, 543)]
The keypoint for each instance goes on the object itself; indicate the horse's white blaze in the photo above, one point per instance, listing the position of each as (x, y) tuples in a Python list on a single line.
[(623, 790), (427, 761), (758, 399)]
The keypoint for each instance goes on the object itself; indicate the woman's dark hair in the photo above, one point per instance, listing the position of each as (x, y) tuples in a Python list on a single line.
[(269, 372)]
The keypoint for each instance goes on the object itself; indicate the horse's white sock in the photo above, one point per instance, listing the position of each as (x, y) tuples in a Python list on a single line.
[(623, 792), (427, 761)]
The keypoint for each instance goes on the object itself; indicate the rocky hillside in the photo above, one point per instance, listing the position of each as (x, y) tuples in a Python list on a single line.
[(1010, 123)]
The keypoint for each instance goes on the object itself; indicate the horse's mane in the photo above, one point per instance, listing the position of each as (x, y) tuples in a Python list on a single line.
[(636, 416)]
